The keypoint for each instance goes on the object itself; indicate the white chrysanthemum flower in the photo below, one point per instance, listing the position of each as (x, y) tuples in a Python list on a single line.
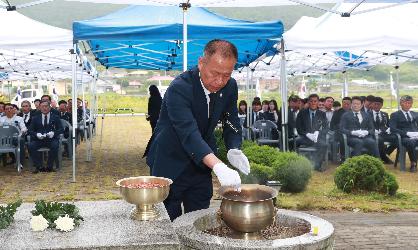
[(65, 223), (38, 223)]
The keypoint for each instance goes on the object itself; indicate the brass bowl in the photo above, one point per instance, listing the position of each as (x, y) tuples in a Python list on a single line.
[(144, 198), (249, 211)]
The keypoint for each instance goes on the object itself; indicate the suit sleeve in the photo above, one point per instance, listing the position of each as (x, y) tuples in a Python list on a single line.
[(393, 124), (232, 138), (58, 129), (179, 100), (299, 124), (370, 125), (344, 124)]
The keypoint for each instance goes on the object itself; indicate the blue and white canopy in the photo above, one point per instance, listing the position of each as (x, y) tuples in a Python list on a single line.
[(150, 37)]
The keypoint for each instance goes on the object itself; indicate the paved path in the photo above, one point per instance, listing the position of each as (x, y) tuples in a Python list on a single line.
[(373, 230)]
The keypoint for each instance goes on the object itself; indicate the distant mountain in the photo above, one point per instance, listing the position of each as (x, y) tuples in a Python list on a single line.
[(61, 13)]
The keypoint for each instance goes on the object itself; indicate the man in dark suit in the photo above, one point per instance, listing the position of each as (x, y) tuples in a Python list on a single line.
[(312, 126), (255, 113), (381, 125), (404, 122), (359, 128), (335, 124), (183, 146), (44, 130), (292, 113), (27, 113)]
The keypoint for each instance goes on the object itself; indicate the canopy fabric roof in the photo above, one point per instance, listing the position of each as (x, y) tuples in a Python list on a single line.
[(150, 37), (31, 50), (20, 32), (385, 30)]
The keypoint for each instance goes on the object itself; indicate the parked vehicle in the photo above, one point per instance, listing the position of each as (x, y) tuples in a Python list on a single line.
[(29, 95)]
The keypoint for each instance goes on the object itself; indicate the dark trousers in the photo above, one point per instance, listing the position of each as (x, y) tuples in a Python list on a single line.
[(320, 146), (383, 151), (193, 188), (368, 142), (410, 145), (36, 156)]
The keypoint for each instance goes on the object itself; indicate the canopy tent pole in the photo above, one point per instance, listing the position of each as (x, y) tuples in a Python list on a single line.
[(345, 89), (73, 106), (283, 86), (185, 6), (249, 106), (397, 86)]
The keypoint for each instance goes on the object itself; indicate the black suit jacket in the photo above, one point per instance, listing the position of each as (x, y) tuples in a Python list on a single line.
[(384, 121), (320, 123), (336, 119), (154, 106), (184, 133), (399, 125), (350, 123), (291, 122), (31, 115), (53, 125)]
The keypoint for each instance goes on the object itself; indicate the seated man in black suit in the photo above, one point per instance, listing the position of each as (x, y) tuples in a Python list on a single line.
[(335, 124), (292, 113), (44, 130), (27, 113), (404, 122), (359, 128), (381, 125), (312, 126)]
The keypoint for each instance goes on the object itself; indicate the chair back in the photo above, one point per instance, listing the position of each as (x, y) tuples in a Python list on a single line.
[(8, 136), (67, 128), (264, 129)]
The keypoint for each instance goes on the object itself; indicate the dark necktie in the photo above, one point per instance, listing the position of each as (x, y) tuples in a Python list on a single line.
[(358, 119), (46, 120), (211, 103), (377, 120), (312, 119), (26, 117), (408, 117)]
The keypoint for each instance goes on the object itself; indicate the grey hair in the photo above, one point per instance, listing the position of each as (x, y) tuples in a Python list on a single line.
[(224, 48), (406, 98)]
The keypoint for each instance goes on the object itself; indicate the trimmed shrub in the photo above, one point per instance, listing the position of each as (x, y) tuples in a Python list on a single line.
[(390, 185), (293, 171), (364, 173), (260, 174), (264, 155)]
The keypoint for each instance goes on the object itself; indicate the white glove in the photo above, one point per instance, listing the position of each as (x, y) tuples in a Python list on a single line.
[(316, 134), (310, 136), (50, 134), (23, 131), (412, 135), (227, 176), (238, 160), (40, 136), (388, 131), (355, 132), (377, 131), (363, 133)]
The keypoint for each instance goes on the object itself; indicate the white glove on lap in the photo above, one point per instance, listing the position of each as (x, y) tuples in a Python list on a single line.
[(40, 136), (377, 131), (363, 133), (238, 160), (355, 132), (412, 135), (388, 131), (316, 134), (310, 136), (50, 134), (227, 176)]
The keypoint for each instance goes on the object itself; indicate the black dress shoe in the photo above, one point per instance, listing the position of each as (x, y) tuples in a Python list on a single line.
[(387, 161), (413, 168)]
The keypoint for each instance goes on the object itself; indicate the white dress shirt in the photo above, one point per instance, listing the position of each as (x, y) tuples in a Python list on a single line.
[(14, 120), (360, 117), (207, 92)]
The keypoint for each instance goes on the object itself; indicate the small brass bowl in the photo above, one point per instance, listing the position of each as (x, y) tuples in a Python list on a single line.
[(144, 198), (249, 211)]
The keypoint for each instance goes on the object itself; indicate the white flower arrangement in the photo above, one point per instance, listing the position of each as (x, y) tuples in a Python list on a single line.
[(38, 223), (64, 224)]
